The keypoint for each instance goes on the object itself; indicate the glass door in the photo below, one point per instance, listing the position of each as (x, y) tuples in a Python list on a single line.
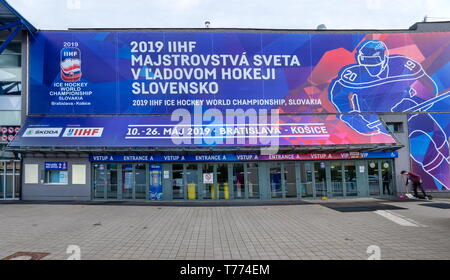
[(10, 184), (252, 180), (133, 181), (9, 187), (351, 187), (374, 178), (127, 181), (192, 180), (99, 181), (290, 182), (275, 180), (111, 181), (140, 181), (387, 178), (337, 186), (320, 178), (177, 181), (17, 181), (208, 181), (222, 181), (306, 179), (238, 181)]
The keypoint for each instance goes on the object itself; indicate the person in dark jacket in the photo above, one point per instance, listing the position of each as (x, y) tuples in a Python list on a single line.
[(416, 182), (386, 182)]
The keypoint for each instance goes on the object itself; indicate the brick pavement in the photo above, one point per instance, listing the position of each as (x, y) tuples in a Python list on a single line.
[(251, 232)]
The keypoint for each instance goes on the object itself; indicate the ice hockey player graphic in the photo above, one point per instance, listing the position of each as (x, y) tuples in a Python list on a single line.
[(380, 82)]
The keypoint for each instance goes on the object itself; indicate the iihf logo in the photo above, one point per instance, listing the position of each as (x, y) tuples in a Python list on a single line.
[(70, 64)]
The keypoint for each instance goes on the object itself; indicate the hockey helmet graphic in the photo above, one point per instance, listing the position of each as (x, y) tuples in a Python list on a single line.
[(373, 55)]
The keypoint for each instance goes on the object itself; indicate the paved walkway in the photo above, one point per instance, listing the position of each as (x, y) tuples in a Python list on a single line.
[(330, 230)]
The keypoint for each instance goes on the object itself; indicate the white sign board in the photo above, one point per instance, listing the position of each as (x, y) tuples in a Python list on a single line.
[(166, 174), (208, 178)]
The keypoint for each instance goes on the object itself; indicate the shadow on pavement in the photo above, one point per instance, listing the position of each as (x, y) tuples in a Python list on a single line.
[(344, 205), (437, 205), (361, 206)]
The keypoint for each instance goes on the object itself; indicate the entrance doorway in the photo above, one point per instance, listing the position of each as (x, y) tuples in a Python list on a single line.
[(381, 177), (350, 181), (232, 180), (213, 181), (374, 178), (10, 185), (320, 179), (114, 181), (222, 181), (276, 187), (209, 184), (283, 180)]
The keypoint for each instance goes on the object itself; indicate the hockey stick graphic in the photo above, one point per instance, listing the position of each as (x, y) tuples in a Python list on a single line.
[(429, 102), (417, 107)]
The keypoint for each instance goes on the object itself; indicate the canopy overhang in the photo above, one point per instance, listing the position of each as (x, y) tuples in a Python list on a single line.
[(159, 134)]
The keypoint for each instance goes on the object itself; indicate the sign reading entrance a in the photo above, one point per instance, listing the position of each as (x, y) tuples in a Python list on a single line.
[(241, 157)]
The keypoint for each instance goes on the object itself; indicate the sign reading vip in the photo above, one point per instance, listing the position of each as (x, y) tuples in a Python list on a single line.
[(160, 72)]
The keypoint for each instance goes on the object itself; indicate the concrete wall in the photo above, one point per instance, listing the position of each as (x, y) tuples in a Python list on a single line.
[(42, 191), (431, 26), (403, 161)]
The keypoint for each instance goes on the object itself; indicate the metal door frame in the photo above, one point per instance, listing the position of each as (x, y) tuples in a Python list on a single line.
[(230, 183), (3, 169), (380, 181), (358, 193), (296, 179), (330, 191), (327, 178)]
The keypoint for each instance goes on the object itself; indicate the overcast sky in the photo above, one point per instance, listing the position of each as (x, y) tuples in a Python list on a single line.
[(295, 14)]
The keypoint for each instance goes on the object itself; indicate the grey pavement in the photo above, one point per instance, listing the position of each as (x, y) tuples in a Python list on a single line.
[(335, 229)]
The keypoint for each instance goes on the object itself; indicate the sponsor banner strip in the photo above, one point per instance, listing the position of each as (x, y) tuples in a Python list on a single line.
[(194, 131)]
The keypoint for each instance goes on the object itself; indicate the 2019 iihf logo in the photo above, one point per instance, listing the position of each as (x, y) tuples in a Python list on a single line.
[(70, 64)]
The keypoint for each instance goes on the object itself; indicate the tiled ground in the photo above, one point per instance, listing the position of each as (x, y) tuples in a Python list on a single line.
[(311, 231)]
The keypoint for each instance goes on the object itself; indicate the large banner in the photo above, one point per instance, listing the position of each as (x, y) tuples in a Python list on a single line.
[(160, 72), (428, 134), (213, 76)]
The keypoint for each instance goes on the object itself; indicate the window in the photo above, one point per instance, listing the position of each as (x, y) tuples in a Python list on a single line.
[(12, 55), (10, 69), (31, 173), (56, 177), (78, 174), (396, 127), (10, 88)]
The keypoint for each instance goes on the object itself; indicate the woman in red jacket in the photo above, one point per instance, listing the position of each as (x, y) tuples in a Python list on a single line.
[(416, 181)]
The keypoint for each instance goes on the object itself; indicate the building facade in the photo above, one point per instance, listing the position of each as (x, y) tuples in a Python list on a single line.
[(13, 35), (219, 114)]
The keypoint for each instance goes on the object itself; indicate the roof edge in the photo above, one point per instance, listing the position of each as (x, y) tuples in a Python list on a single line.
[(24, 21), (413, 28)]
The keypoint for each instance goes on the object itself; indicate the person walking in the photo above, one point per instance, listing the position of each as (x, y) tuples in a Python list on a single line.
[(386, 182), (416, 183)]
